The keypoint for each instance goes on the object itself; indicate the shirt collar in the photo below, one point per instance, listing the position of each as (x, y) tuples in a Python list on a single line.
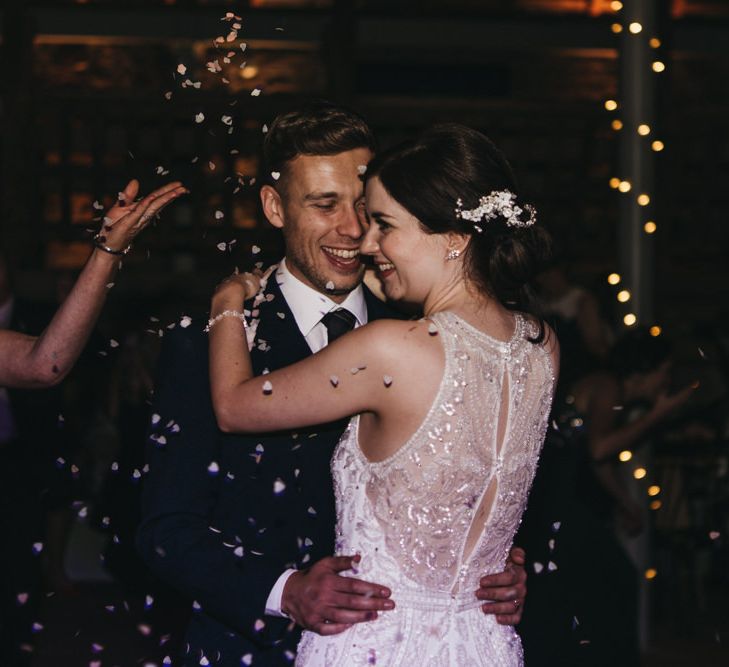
[(308, 306)]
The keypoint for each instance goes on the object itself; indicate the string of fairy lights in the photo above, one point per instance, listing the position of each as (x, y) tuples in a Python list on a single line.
[(643, 199), (624, 186)]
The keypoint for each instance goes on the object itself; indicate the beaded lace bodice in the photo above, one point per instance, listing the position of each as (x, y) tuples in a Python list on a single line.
[(425, 497), (441, 512)]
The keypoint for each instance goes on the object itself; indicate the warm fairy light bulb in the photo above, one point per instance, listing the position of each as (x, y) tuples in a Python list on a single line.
[(625, 455), (655, 504), (629, 320), (640, 473), (611, 105), (616, 5), (249, 72), (658, 145), (658, 66), (624, 186), (644, 129), (654, 42), (623, 296), (613, 278), (650, 227), (654, 490), (651, 573), (616, 28), (655, 330), (635, 27), (617, 124), (643, 200), (614, 182)]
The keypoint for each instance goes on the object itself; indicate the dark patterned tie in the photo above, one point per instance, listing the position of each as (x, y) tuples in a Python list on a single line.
[(338, 322)]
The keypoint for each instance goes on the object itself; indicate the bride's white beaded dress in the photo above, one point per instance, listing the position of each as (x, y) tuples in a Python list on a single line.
[(441, 512)]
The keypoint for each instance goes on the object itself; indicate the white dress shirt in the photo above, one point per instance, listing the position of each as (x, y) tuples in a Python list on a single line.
[(308, 307)]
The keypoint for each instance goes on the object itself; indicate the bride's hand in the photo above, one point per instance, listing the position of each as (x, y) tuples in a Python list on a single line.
[(237, 288)]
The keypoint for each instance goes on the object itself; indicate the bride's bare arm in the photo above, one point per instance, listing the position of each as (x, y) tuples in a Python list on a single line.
[(29, 361), (350, 376)]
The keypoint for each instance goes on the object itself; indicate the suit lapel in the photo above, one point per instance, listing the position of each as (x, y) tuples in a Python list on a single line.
[(277, 331)]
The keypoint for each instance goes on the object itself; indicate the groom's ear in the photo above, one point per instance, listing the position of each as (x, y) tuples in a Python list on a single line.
[(272, 206)]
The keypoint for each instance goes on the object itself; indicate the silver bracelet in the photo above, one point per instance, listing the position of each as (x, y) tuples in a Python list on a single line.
[(98, 242), (226, 313)]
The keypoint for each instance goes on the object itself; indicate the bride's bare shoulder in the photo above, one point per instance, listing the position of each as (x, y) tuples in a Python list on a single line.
[(402, 339)]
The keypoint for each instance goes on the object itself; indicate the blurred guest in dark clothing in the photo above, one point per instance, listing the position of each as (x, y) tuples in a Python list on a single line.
[(568, 529)]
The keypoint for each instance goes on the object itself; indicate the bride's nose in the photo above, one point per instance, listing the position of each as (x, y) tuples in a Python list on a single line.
[(370, 243)]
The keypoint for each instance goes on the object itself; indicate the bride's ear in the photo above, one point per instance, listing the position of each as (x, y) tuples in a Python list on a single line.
[(272, 206), (457, 243)]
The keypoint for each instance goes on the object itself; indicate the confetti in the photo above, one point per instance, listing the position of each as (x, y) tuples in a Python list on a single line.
[(279, 486), (213, 468), (556, 526), (334, 380), (144, 629), (37, 547), (247, 659), (551, 566), (222, 246), (387, 380), (186, 321), (199, 118), (267, 387), (714, 535), (259, 625), (238, 551), (362, 169), (219, 215), (330, 285), (227, 120), (113, 343), (255, 249), (22, 598), (432, 329), (275, 175), (182, 70), (255, 92)]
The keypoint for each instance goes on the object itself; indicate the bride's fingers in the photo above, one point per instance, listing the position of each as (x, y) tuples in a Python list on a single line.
[(129, 194)]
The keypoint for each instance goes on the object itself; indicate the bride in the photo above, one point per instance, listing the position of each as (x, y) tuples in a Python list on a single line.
[(432, 474)]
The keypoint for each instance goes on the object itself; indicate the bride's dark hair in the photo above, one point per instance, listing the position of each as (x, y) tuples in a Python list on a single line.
[(451, 162)]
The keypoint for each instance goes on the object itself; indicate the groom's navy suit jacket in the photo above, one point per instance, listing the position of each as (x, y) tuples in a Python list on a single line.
[(225, 515)]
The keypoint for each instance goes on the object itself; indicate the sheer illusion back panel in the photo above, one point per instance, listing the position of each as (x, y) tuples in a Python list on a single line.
[(438, 495)]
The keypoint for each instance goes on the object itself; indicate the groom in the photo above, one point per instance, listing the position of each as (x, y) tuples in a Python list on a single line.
[(243, 524)]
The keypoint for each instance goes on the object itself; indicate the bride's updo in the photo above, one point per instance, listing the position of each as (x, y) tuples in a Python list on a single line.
[(454, 179)]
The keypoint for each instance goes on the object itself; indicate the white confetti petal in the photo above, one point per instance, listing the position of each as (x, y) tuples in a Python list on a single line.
[(213, 468), (279, 486), (275, 175), (181, 69), (551, 566), (255, 92), (156, 418), (255, 249), (538, 567), (334, 380), (387, 380), (432, 329), (200, 117), (186, 321), (330, 285), (362, 169), (267, 387)]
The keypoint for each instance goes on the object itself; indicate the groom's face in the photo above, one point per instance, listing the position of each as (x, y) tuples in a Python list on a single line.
[(319, 206)]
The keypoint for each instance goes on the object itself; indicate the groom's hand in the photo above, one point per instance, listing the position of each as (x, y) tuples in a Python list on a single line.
[(506, 591), (321, 600)]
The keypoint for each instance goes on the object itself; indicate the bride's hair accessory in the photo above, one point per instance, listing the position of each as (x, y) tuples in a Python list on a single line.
[(498, 203)]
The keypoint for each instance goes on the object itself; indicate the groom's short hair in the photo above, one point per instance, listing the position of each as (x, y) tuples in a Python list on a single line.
[(318, 128)]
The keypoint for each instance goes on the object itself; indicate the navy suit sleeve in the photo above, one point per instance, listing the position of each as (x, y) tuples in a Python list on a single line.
[(177, 538)]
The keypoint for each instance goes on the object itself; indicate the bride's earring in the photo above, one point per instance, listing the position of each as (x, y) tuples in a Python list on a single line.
[(454, 253)]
